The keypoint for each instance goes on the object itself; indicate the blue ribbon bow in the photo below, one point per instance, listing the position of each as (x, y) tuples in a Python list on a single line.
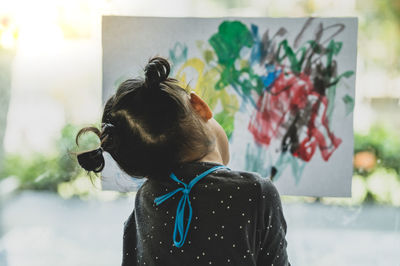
[(180, 211)]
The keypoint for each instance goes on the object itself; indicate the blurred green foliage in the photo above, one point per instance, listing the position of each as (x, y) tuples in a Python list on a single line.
[(46, 171), (382, 141), (382, 182)]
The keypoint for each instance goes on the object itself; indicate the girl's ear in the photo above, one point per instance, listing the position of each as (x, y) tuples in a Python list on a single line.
[(200, 106)]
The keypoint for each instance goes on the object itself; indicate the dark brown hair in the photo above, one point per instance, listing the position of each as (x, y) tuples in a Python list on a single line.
[(148, 126)]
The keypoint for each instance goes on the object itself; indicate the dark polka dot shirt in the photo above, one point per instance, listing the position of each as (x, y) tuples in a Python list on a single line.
[(237, 220)]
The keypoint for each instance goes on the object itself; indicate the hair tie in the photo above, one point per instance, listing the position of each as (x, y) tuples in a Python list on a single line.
[(108, 130), (107, 126)]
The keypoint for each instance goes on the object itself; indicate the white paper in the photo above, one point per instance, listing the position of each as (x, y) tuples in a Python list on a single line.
[(129, 42)]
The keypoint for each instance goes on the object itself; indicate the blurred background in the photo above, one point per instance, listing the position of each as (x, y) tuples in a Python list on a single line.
[(50, 86)]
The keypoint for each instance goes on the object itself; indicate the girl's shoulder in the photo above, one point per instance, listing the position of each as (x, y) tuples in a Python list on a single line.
[(252, 177), (248, 180)]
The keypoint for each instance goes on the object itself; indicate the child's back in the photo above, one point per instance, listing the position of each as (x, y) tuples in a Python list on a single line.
[(237, 220), (192, 210)]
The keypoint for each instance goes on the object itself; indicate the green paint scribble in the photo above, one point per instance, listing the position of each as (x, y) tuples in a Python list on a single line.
[(295, 63), (207, 53), (331, 93), (349, 104), (226, 120), (232, 36), (230, 39)]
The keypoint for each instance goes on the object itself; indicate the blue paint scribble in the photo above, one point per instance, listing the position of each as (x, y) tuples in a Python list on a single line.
[(269, 79)]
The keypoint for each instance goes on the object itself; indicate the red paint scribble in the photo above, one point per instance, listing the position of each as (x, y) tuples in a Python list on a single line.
[(293, 111)]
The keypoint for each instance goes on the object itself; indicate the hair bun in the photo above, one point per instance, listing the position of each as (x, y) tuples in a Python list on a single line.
[(156, 71), (92, 160)]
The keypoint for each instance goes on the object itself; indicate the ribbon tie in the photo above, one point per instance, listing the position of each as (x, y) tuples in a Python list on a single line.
[(180, 211)]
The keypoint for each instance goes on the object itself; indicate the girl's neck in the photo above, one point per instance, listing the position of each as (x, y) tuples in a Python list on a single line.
[(220, 152), (213, 157)]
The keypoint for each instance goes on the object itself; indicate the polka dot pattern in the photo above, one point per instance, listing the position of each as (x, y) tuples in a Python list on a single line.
[(237, 220)]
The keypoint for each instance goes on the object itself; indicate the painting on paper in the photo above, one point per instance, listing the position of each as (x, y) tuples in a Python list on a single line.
[(282, 89)]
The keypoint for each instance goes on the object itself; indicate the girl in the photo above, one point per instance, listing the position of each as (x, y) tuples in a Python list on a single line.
[(192, 209)]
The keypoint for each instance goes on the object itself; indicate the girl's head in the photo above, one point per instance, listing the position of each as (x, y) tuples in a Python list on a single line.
[(151, 125)]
